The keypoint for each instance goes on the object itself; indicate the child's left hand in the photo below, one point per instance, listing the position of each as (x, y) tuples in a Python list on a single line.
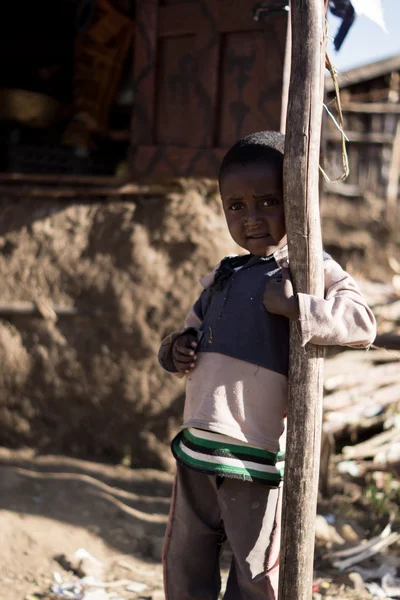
[(279, 297)]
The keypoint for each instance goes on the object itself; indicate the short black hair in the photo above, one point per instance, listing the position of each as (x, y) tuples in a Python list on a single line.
[(263, 147)]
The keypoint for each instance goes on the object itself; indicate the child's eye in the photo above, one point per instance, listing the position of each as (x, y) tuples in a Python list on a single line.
[(269, 201), (236, 206)]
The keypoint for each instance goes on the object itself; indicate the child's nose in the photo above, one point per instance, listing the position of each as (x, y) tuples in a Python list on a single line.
[(252, 215)]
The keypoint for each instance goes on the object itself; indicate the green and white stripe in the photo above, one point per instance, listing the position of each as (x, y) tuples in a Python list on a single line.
[(216, 454)]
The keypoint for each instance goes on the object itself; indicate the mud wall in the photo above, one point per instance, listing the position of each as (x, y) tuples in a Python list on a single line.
[(90, 384)]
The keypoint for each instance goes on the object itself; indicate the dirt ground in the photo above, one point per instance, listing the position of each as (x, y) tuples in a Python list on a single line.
[(52, 505)]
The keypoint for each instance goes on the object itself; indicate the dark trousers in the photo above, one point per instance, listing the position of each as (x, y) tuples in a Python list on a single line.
[(205, 511)]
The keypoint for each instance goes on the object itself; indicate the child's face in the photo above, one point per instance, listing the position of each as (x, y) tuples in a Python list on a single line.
[(252, 198)]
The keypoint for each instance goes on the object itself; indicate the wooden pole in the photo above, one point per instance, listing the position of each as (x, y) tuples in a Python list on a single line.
[(301, 175)]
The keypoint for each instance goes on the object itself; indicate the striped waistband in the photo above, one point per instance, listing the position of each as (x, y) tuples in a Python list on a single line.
[(216, 454)]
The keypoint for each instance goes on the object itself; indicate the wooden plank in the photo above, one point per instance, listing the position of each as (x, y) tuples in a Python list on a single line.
[(342, 189), (238, 16), (390, 341), (17, 178), (234, 16), (173, 161), (372, 95), (361, 138), (55, 193), (372, 107), (301, 194), (203, 102), (145, 53), (393, 179), (178, 19), (367, 72), (187, 74), (176, 86), (371, 447), (199, 89), (248, 102)]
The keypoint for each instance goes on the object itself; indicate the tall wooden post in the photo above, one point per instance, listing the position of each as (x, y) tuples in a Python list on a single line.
[(303, 131)]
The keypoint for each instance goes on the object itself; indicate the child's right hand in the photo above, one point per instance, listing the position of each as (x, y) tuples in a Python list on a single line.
[(184, 353)]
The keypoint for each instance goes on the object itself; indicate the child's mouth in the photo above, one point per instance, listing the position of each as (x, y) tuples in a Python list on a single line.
[(260, 236)]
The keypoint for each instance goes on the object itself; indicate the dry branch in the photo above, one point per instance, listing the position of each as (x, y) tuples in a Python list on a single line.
[(35, 309), (379, 443), (391, 341), (353, 383), (367, 553)]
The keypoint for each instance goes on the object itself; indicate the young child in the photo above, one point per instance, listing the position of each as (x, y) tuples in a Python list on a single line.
[(234, 354)]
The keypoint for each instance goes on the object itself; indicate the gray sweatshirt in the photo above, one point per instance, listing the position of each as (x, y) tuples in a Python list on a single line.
[(239, 385)]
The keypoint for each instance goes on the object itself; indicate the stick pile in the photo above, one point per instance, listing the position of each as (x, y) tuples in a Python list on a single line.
[(362, 394)]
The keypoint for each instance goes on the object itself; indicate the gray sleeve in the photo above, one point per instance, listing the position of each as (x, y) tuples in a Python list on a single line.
[(342, 317)]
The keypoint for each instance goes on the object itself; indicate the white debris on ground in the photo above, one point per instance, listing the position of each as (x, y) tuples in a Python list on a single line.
[(89, 585)]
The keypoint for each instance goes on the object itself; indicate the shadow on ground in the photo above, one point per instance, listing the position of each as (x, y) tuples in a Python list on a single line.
[(126, 508)]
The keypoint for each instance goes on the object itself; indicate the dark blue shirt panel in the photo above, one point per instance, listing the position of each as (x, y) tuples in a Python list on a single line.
[(235, 322)]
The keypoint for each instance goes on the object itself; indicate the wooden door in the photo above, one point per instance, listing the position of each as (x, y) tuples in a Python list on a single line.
[(206, 73)]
